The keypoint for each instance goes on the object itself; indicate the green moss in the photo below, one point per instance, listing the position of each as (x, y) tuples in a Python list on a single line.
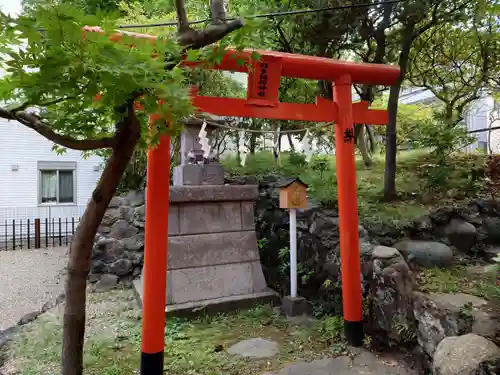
[(457, 280)]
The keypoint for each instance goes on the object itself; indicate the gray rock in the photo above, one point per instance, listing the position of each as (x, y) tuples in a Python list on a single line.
[(135, 198), (423, 223), (140, 213), (492, 228), (104, 241), (463, 355), (332, 269), (384, 252), (255, 348), (392, 285), (111, 216), (134, 243), (94, 277), (28, 318), (326, 228), (363, 233), (121, 267), (443, 315), (126, 213), (122, 229), (461, 234), (116, 202), (137, 271), (98, 266), (106, 283), (492, 252), (426, 253), (362, 363), (365, 249)]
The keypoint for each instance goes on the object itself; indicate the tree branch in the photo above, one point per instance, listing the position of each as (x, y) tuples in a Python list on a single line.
[(197, 39), (33, 122), (218, 12), (182, 19)]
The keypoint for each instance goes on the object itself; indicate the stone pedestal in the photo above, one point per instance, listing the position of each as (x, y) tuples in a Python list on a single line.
[(213, 259), (198, 174), (295, 306)]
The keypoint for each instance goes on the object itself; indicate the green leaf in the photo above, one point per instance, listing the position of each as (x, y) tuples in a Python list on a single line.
[(255, 56)]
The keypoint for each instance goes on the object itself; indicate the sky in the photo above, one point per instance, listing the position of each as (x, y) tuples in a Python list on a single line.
[(10, 6)]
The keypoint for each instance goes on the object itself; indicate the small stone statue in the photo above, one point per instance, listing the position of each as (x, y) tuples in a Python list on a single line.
[(196, 157)]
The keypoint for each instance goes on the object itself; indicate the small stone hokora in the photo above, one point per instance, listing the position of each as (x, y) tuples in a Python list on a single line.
[(196, 157)]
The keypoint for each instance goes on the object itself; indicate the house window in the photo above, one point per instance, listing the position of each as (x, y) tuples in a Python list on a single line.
[(57, 182)]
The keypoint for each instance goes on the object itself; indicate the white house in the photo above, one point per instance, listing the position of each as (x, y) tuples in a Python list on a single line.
[(38, 183), (477, 117)]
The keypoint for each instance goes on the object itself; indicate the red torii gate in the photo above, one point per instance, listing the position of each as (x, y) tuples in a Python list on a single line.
[(262, 102)]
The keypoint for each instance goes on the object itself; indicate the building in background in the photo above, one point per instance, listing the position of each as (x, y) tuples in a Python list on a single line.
[(476, 117), (36, 182)]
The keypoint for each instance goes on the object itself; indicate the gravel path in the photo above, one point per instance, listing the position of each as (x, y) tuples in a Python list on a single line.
[(29, 279)]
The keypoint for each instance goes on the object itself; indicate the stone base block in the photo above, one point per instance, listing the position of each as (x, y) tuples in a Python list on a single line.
[(213, 305), (295, 306), (198, 174), (209, 282)]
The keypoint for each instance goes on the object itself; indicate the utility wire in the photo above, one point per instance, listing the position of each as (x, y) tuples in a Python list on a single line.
[(270, 15)]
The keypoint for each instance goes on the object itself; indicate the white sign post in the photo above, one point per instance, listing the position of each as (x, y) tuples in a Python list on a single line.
[(293, 252)]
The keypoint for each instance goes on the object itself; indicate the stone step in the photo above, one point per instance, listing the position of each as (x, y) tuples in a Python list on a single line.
[(213, 305)]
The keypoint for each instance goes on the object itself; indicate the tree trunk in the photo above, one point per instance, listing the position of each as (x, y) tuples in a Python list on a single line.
[(253, 138), (364, 147), (81, 247), (290, 142), (390, 192)]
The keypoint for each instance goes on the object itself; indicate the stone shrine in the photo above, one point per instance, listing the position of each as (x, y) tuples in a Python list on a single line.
[(213, 259)]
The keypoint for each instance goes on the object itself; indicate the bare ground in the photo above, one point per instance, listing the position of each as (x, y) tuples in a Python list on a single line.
[(28, 280)]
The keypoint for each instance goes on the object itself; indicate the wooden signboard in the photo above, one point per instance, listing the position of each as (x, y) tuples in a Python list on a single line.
[(293, 194), (264, 82)]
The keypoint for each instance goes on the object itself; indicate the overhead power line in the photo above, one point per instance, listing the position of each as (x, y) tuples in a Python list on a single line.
[(270, 15)]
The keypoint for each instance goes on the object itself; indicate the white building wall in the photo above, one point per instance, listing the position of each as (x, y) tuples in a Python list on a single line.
[(19, 189)]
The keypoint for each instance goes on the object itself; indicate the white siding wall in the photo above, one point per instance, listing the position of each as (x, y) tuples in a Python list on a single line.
[(19, 190)]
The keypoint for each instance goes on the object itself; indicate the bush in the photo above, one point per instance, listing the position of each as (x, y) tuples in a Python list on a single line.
[(320, 165), (493, 175)]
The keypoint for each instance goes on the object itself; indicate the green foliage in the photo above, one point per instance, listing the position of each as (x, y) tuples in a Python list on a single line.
[(411, 119), (443, 139), (320, 165), (295, 164), (493, 174), (61, 71)]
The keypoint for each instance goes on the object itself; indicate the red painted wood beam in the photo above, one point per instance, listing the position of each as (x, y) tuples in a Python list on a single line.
[(323, 111), (298, 66)]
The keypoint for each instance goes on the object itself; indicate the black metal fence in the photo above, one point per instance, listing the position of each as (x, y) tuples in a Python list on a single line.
[(18, 234)]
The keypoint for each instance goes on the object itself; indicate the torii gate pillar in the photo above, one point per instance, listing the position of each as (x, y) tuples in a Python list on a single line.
[(348, 213)]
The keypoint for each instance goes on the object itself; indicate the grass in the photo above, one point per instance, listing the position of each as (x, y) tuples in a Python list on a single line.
[(422, 184), (192, 347), (458, 280)]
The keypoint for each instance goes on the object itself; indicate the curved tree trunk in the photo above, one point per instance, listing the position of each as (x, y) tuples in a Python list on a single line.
[(390, 192), (290, 142), (80, 256), (363, 142)]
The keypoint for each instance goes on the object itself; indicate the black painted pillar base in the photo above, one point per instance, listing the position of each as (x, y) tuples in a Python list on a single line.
[(152, 363), (354, 333)]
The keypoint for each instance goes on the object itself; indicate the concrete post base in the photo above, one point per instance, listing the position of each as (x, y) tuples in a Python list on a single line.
[(295, 306)]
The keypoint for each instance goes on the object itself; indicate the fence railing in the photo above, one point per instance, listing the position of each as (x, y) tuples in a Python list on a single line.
[(37, 233)]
